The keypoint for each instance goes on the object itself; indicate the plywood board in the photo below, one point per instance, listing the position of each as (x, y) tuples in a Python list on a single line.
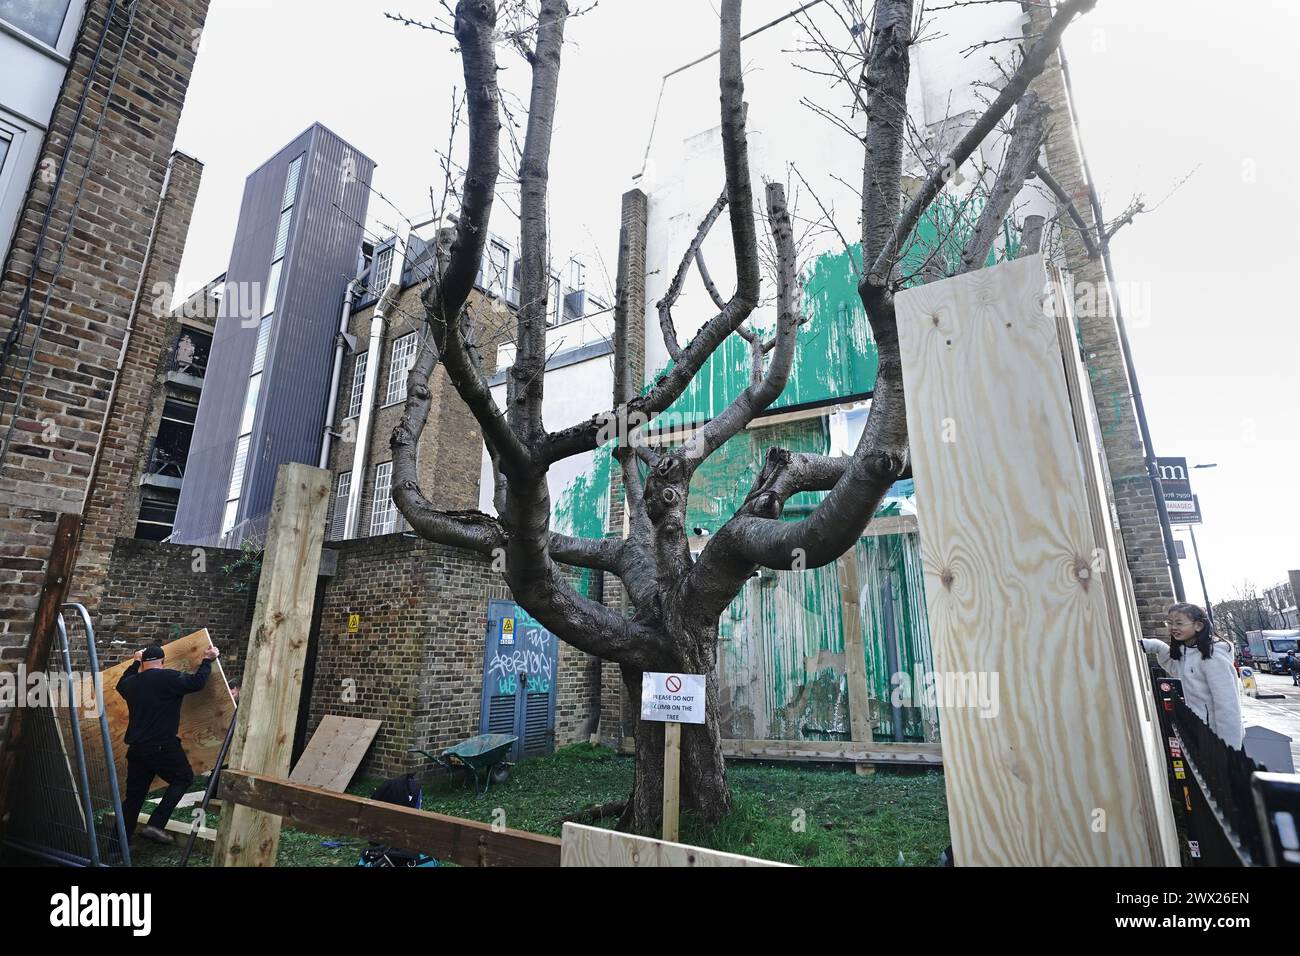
[(205, 714), (173, 826), (593, 846), (1021, 586), (334, 752)]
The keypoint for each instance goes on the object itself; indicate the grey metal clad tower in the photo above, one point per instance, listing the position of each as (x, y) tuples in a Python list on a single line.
[(266, 390)]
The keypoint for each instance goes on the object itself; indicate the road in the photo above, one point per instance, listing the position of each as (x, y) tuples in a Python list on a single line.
[(1280, 715)]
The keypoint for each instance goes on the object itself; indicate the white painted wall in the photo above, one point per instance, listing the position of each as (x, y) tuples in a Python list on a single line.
[(572, 394)]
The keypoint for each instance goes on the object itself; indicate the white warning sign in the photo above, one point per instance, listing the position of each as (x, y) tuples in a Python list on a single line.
[(678, 698)]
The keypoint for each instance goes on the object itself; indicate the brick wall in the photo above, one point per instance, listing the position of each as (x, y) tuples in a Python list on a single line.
[(1107, 371), (90, 269), (157, 592), (416, 660), (114, 502)]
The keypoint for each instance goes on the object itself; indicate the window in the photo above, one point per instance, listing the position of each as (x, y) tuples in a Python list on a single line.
[(358, 386), (291, 182), (342, 491), (383, 513), (496, 268), (282, 234), (19, 146), (272, 288), (263, 341), (228, 519), (237, 469), (383, 266), (42, 19), (250, 404), (403, 358)]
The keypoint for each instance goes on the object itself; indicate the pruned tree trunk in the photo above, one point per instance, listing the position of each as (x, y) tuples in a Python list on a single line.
[(703, 781)]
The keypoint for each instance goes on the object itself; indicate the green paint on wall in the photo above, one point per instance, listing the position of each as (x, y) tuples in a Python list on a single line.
[(835, 354), (582, 507)]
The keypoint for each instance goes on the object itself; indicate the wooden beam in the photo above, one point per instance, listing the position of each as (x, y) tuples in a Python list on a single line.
[(54, 591), (672, 778), (593, 846), (1021, 589), (802, 414), (855, 655), (449, 839), (277, 650), (833, 751)]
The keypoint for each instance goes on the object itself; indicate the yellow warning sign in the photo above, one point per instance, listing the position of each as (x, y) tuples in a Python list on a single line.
[(354, 623)]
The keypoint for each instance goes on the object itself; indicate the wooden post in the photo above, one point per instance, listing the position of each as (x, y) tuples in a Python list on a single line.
[(1049, 750), (672, 778), (54, 590), (277, 649), (855, 657)]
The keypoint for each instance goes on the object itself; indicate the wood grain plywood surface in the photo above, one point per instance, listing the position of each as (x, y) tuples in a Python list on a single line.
[(205, 714), (334, 752), (1045, 756)]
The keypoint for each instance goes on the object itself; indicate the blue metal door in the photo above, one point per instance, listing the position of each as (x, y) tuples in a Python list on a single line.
[(519, 677)]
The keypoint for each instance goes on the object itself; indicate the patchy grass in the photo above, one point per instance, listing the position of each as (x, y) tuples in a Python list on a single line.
[(811, 816)]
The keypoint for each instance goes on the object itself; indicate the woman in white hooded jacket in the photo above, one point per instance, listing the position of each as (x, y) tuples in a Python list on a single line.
[(1204, 664)]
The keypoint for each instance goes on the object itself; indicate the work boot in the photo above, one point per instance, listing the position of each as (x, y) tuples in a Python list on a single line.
[(150, 832)]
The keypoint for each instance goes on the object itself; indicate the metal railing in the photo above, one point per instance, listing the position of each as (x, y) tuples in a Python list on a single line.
[(1214, 786), (67, 783)]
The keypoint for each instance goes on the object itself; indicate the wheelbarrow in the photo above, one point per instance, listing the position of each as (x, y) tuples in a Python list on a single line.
[(482, 758)]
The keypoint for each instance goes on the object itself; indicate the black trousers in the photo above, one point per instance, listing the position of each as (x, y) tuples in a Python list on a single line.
[(143, 763)]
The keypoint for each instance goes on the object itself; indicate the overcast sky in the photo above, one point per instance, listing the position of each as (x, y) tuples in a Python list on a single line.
[(1162, 88)]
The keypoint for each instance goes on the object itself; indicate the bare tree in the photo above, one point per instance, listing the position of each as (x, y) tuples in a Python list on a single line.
[(678, 599)]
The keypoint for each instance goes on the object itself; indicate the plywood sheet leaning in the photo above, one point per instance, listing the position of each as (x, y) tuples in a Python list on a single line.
[(205, 714), (1045, 749), (334, 752), (593, 846), (1121, 600)]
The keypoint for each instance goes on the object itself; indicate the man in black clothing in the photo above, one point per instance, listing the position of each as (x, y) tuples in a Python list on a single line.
[(153, 696)]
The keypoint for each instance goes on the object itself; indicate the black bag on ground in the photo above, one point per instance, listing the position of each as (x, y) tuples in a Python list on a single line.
[(404, 791)]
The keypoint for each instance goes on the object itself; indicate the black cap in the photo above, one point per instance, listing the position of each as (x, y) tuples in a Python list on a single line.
[(152, 653)]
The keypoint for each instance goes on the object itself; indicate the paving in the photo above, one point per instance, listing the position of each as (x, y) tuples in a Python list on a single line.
[(1282, 715)]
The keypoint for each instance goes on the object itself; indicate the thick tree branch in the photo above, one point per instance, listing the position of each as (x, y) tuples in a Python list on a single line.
[(1027, 135), (755, 536), (526, 378), (758, 396), (707, 279), (740, 202), (665, 305), (445, 298), (1066, 203), (602, 554), (883, 261)]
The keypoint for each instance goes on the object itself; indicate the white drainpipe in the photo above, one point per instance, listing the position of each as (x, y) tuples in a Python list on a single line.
[(387, 300), (339, 348)]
